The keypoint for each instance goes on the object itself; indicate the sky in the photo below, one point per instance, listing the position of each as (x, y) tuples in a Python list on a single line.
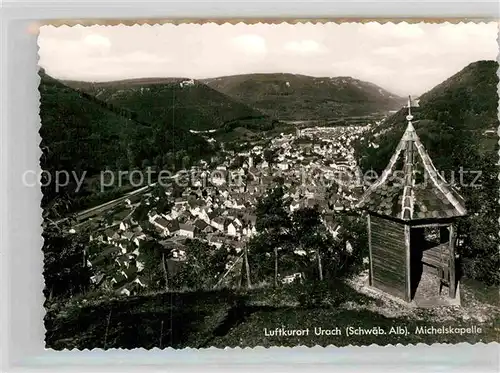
[(402, 58)]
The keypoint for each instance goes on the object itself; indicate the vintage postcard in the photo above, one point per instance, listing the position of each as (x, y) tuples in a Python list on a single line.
[(253, 184)]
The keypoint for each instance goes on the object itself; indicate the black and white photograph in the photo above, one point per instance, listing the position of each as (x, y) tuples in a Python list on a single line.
[(256, 184)]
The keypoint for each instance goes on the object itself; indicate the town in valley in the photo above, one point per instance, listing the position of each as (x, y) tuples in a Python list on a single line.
[(336, 189), (216, 206)]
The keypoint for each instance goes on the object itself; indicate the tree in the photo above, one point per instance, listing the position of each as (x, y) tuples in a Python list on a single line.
[(237, 162), (203, 266), (154, 256), (179, 156), (160, 199), (270, 156), (216, 267), (140, 212), (310, 233), (65, 260), (186, 161), (168, 160), (274, 224), (257, 158), (158, 161), (121, 163)]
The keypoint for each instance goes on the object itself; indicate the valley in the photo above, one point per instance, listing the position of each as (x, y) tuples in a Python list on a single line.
[(261, 179)]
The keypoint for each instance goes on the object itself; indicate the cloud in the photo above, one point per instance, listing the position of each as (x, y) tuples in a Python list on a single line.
[(399, 57), (387, 51), (97, 41), (108, 67), (409, 31), (361, 68), (305, 47), (402, 30), (250, 44), (140, 57)]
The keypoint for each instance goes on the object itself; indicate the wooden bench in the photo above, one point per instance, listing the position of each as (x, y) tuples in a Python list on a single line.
[(439, 258), (436, 256)]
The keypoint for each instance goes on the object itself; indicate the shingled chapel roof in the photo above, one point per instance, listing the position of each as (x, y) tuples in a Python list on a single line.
[(410, 188)]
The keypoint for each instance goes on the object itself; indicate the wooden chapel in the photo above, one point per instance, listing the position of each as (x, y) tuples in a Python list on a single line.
[(411, 216)]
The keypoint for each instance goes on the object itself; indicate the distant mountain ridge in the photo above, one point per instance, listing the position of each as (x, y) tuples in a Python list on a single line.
[(181, 102), (259, 99), (300, 97), (63, 105)]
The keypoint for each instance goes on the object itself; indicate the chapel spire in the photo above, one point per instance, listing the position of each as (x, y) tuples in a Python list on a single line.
[(409, 117), (431, 197)]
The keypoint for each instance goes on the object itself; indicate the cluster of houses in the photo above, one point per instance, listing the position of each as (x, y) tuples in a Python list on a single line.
[(324, 159), (218, 205), (116, 261), (218, 220)]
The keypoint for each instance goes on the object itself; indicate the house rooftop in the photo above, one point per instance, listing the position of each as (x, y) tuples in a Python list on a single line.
[(187, 227), (161, 221)]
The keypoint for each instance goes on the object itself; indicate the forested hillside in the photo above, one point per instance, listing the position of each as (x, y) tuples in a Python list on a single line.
[(457, 122), (301, 97), (81, 133), (188, 104)]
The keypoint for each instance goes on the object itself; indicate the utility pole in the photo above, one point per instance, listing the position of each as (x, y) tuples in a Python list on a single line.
[(247, 267), (165, 271), (275, 267), (320, 267)]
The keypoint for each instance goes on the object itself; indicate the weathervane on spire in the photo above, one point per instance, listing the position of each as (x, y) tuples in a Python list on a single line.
[(409, 117), (409, 134)]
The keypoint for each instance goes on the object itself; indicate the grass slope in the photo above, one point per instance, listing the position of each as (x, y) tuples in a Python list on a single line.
[(224, 318), (301, 97), (170, 319)]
